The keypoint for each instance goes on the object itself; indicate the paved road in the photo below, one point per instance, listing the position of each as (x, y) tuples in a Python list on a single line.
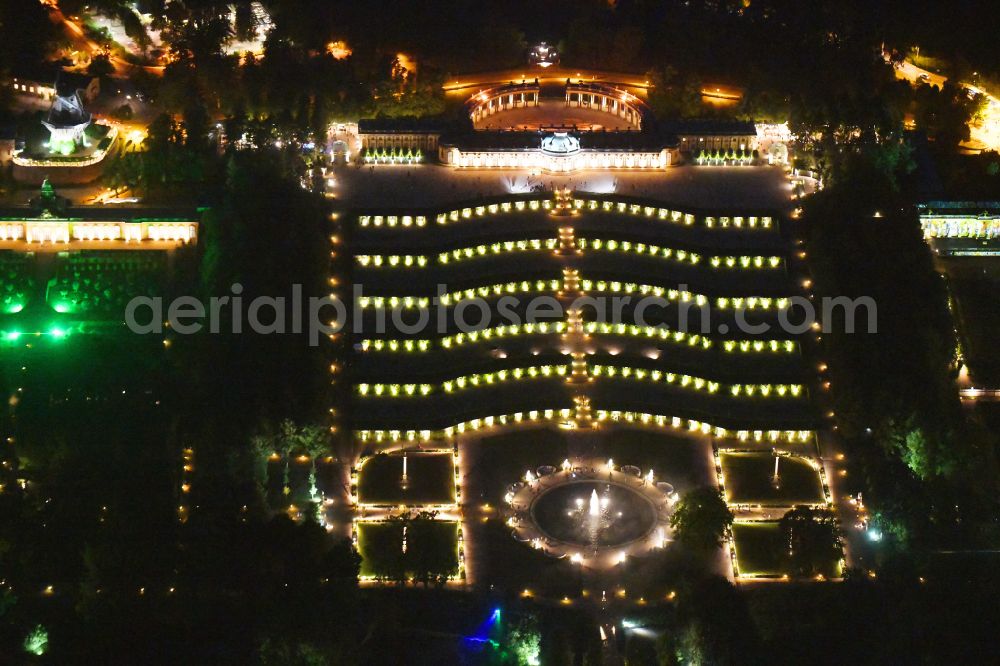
[(77, 37), (985, 135)]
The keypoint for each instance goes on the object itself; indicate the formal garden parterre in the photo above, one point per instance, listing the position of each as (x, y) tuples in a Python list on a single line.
[(683, 369)]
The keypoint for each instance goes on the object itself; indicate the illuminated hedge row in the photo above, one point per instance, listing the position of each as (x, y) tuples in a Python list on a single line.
[(692, 425), (393, 390), (459, 254), (682, 256), (393, 156), (500, 376), (453, 215), (665, 214), (723, 157), (477, 380), (392, 220), (501, 289), (682, 295), (460, 383), (663, 333), (537, 416), (464, 253), (394, 345), (532, 416), (695, 383), (679, 217), (492, 209), (691, 339), (597, 244), (459, 339), (541, 328), (598, 286), (391, 260), (787, 346)]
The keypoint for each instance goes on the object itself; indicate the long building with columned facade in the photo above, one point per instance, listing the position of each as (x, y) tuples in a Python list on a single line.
[(556, 127)]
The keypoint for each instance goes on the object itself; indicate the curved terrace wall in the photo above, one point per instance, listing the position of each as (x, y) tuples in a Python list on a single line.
[(430, 384)]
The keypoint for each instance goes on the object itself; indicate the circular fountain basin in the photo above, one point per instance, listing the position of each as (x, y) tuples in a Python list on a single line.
[(597, 516), (561, 513)]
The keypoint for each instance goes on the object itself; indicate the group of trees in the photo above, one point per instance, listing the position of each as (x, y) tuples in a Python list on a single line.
[(702, 521), (928, 472), (91, 545), (826, 74), (298, 83), (29, 35), (97, 517), (174, 160), (857, 621), (945, 113), (813, 538), (673, 95), (139, 545), (411, 546), (98, 522)]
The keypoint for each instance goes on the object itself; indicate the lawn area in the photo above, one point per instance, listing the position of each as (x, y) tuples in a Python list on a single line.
[(495, 462), (431, 479), (749, 475), (381, 544), (498, 560), (759, 548), (375, 541)]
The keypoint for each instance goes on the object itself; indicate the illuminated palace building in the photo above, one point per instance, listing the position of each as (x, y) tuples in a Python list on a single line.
[(573, 366), (555, 125), (68, 270), (961, 228), (76, 145), (578, 365)]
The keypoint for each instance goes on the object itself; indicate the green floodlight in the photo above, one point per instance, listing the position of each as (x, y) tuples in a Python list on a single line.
[(12, 336), (57, 333), (37, 642), (14, 308), (60, 307)]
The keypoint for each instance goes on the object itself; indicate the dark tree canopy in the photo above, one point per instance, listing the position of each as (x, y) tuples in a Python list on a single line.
[(701, 518)]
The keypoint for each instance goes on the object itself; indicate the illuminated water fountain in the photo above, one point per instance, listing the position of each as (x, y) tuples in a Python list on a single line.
[(598, 515), (776, 479), (595, 515)]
